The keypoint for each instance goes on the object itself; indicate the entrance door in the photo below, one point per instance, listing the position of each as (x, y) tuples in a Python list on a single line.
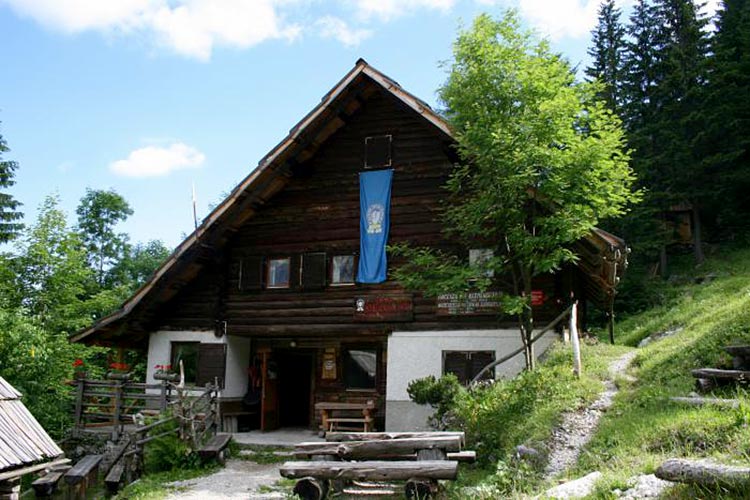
[(294, 387), (269, 407)]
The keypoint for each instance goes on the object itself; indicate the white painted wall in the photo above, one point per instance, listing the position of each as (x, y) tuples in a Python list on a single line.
[(238, 356), (413, 355)]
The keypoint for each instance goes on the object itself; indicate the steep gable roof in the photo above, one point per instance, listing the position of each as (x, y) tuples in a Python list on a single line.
[(270, 176)]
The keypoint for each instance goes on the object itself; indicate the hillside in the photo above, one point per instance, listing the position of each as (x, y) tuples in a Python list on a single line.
[(701, 310)]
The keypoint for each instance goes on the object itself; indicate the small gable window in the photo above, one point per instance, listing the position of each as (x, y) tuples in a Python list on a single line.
[(342, 270), (278, 272), (378, 151)]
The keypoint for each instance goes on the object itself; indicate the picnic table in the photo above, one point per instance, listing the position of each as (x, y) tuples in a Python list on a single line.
[(335, 415)]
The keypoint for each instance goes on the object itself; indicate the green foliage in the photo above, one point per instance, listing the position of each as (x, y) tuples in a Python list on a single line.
[(153, 486), (9, 213), (440, 393), (543, 162), (606, 52), (137, 264), (99, 212)]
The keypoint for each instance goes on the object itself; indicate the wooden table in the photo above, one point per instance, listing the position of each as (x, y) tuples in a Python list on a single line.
[(329, 422)]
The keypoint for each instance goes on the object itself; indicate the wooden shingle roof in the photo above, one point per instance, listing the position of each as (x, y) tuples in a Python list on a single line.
[(22, 440)]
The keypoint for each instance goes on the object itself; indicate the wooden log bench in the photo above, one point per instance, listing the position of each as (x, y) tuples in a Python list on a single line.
[(82, 474), (708, 378), (215, 448), (46, 485), (115, 476), (705, 473), (420, 459)]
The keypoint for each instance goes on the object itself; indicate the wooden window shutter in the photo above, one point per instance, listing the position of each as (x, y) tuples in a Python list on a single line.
[(479, 360), (378, 151), (251, 273), (314, 271), (212, 360), (455, 362)]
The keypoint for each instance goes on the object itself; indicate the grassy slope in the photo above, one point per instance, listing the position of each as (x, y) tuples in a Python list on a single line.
[(643, 428)]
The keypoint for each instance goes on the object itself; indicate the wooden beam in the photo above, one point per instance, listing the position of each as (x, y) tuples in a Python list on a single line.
[(371, 470)]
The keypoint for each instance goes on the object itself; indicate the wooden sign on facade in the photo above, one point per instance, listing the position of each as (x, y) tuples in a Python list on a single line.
[(384, 308), (468, 304)]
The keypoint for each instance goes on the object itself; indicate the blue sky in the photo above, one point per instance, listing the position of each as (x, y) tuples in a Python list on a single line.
[(150, 96)]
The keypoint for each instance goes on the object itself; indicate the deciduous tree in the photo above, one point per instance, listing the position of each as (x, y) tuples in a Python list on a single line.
[(543, 162)]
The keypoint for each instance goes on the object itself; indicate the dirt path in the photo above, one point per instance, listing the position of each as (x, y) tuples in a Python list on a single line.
[(578, 427), (239, 479)]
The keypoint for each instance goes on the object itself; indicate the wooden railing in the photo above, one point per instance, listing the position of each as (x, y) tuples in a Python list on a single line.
[(117, 402)]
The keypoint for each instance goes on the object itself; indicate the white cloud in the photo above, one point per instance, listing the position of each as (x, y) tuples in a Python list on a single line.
[(189, 27), (387, 10), (338, 29), (155, 161)]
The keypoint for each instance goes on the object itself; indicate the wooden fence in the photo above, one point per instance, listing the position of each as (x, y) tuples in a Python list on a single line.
[(112, 404)]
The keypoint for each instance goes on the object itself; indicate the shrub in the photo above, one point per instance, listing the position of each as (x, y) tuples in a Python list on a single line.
[(439, 393)]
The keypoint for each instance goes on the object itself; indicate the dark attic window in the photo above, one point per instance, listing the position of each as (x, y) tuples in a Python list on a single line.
[(378, 151)]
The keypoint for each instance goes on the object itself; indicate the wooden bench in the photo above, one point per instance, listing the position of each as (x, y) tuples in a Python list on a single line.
[(83, 473), (215, 448), (46, 485), (420, 459), (336, 415), (708, 378), (114, 478)]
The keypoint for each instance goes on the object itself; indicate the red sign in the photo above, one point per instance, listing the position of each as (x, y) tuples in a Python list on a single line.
[(384, 308), (537, 297)]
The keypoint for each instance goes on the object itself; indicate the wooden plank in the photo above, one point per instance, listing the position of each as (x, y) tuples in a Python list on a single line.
[(374, 449), (335, 405), (379, 436), (4, 476), (114, 477), (215, 445), (715, 373), (82, 469), (371, 470)]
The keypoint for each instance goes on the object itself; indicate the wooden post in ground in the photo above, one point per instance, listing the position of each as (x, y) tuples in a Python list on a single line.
[(574, 339), (611, 320), (79, 404)]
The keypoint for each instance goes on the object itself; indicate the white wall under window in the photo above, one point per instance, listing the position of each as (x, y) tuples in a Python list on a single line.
[(413, 355), (237, 362)]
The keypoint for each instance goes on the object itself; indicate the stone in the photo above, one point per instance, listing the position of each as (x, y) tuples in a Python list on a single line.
[(644, 486), (577, 488)]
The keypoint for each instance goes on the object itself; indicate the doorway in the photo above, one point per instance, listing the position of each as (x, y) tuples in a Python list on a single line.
[(295, 372)]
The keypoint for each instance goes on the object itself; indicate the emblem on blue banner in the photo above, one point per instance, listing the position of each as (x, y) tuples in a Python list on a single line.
[(374, 222)]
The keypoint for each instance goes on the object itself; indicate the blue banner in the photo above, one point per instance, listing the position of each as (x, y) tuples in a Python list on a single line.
[(374, 221)]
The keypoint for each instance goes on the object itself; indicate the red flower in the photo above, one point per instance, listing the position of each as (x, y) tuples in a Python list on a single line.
[(78, 362)]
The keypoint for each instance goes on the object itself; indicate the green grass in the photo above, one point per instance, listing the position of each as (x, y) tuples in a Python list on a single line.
[(154, 486), (643, 428)]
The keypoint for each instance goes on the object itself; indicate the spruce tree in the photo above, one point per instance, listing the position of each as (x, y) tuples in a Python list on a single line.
[(608, 46), (9, 213), (726, 143)]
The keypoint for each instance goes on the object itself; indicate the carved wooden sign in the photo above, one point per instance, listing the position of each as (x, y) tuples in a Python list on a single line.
[(468, 304), (384, 308)]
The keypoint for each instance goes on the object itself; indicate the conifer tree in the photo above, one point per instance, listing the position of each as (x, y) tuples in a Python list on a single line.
[(608, 46), (9, 213), (726, 143)]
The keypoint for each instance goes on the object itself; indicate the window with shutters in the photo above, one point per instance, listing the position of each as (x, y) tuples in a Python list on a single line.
[(314, 270), (203, 363), (342, 270), (465, 365), (378, 151)]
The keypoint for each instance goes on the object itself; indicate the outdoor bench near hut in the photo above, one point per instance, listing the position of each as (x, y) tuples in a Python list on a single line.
[(420, 459)]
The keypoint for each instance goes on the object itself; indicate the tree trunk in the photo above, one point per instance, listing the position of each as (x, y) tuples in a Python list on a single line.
[(705, 473), (527, 321)]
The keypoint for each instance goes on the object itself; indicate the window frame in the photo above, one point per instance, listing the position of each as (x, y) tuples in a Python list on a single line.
[(267, 273), (344, 350), (482, 255), (354, 270), (490, 375)]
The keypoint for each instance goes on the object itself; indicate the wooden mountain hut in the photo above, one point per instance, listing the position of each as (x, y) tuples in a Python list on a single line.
[(270, 296), (25, 447)]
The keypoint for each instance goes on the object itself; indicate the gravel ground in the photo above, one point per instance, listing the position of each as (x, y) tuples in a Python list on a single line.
[(577, 427), (239, 479)]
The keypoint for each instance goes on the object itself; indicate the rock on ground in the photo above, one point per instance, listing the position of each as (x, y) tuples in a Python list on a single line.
[(239, 479), (644, 486), (578, 488)]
